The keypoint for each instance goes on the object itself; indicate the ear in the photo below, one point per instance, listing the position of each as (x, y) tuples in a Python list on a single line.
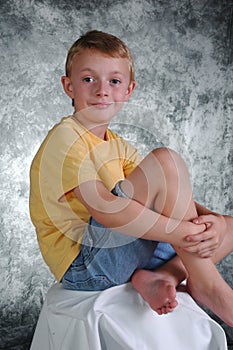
[(67, 86), (130, 90)]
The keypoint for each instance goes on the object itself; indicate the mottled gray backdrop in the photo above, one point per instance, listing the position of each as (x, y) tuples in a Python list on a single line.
[(184, 99)]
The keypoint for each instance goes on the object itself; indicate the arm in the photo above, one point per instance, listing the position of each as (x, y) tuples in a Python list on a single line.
[(130, 217), (216, 227), (202, 210)]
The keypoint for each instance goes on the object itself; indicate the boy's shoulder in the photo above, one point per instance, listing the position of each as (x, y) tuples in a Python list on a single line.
[(67, 125), (63, 133)]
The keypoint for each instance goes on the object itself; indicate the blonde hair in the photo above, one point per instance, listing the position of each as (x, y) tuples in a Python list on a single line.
[(103, 42)]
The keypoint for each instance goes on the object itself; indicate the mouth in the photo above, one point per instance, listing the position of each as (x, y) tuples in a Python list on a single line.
[(101, 105)]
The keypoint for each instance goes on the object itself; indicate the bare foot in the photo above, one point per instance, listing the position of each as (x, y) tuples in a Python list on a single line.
[(157, 289), (218, 297)]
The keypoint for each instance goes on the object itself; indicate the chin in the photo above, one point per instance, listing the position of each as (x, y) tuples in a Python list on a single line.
[(101, 114)]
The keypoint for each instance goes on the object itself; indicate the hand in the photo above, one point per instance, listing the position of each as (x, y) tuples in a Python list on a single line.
[(211, 238), (178, 234)]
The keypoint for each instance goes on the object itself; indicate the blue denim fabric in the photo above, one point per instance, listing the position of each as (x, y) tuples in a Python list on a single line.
[(109, 258), (163, 253)]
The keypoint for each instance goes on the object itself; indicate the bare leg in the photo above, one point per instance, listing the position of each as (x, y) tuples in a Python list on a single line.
[(161, 182), (221, 304), (227, 244), (146, 184), (158, 287)]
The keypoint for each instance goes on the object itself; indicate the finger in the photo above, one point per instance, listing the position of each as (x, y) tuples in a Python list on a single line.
[(203, 219), (206, 252), (200, 236), (206, 255), (205, 248), (190, 245)]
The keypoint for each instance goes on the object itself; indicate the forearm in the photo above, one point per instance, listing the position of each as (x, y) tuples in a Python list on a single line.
[(139, 221), (229, 223), (130, 217), (202, 210)]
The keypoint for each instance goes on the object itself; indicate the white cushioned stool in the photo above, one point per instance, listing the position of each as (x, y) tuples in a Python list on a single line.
[(119, 319)]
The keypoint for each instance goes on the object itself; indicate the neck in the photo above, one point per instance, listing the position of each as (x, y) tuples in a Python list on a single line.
[(99, 131)]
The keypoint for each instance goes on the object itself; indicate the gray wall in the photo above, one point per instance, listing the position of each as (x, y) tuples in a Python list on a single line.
[(183, 57)]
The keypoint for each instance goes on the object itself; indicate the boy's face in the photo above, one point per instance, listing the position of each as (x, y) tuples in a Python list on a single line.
[(99, 84)]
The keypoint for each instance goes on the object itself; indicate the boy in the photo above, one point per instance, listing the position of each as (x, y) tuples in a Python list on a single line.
[(100, 210)]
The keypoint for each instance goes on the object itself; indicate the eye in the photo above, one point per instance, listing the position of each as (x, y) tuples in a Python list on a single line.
[(88, 79), (115, 81)]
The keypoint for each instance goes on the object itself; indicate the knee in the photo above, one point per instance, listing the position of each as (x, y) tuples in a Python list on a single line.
[(169, 159), (165, 153)]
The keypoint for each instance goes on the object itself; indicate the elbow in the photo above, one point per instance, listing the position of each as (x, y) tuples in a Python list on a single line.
[(101, 218)]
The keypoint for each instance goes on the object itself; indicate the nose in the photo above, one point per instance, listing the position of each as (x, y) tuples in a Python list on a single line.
[(102, 89)]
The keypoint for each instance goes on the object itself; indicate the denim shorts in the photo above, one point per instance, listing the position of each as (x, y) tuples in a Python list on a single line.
[(109, 258)]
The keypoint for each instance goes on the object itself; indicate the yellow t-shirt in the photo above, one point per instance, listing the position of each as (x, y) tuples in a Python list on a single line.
[(69, 156)]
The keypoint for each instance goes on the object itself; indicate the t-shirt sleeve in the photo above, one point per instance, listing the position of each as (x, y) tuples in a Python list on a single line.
[(65, 162), (132, 158)]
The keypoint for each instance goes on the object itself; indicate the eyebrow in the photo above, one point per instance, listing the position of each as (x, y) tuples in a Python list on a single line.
[(93, 71)]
